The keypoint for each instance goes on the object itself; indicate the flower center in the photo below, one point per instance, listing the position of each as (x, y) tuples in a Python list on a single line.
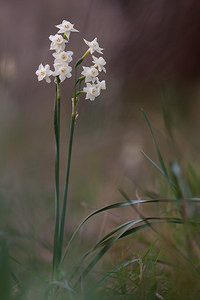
[(63, 56), (42, 73), (93, 91), (63, 70), (95, 45), (93, 72), (59, 40)]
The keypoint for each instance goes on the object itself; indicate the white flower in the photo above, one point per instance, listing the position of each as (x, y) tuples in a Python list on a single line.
[(63, 71), (66, 28), (57, 42), (90, 74), (63, 57), (92, 91), (44, 72), (100, 63), (93, 46), (101, 85)]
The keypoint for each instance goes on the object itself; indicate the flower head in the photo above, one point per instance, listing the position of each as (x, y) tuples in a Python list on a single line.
[(92, 91), (100, 63), (63, 71), (57, 42), (90, 74), (93, 46), (44, 72), (66, 28), (63, 57)]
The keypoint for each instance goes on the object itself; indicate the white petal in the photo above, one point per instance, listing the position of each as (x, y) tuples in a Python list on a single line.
[(59, 26), (48, 79), (51, 37), (87, 43), (70, 53), (62, 77), (74, 30), (103, 85), (67, 33), (69, 75)]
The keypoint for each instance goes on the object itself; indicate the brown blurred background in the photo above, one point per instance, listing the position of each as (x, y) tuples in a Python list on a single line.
[(152, 50)]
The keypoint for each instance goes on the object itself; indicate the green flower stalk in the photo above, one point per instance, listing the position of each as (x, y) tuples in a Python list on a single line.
[(73, 118), (57, 166)]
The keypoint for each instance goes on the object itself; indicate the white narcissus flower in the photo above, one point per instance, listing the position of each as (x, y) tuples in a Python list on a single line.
[(63, 71), (66, 28), (100, 63), (100, 84), (44, 72), (57, 42), (90, 74), (92, 91), (93, 46), (63, 57)]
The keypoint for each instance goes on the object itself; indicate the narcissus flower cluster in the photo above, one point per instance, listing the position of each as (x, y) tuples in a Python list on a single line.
[(62, 58), (94, 88), (62, 70)]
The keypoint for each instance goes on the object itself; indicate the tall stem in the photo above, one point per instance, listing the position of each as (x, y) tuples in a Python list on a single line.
[(73, 118), (64, 204), (57, 163)]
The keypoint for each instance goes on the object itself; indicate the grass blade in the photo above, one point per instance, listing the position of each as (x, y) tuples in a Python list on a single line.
[(158, 151), (153, 163)]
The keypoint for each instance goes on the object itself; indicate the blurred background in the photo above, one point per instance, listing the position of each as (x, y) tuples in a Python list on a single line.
[(152, 49)]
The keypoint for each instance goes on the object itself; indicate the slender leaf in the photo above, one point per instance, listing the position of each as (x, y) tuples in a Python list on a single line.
[(153, 163), (158, 151)]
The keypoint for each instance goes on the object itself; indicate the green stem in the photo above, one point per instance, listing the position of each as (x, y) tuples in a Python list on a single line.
[(57, 163), (64, 204), (73, 118)]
